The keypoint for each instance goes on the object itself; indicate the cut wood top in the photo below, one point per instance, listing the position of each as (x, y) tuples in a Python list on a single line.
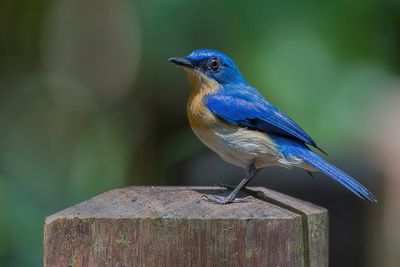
[(186, 202)]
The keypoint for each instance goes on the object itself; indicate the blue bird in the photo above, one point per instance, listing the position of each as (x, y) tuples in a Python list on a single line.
[(234, 120)]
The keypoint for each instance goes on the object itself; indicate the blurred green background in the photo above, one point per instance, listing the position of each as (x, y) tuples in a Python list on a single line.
[(88, 101)]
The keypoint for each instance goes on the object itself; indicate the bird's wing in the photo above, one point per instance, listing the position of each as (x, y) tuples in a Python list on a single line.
[(247, 108)]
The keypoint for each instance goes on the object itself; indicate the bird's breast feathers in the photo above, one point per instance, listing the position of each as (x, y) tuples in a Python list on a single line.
[(236, 145), (199, 115)]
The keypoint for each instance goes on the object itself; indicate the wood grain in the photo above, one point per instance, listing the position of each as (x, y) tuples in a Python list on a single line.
[(175, 226)]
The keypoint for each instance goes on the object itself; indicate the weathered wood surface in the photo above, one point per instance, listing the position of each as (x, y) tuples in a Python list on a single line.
[(175, 226)]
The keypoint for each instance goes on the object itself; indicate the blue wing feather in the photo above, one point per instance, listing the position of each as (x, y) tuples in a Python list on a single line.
[(244, 106)]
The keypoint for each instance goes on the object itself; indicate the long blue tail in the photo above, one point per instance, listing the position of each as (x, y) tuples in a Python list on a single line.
[(338, 175), (291, 148)]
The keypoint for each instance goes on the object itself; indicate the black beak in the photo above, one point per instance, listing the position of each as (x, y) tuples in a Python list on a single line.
[(181, 62)]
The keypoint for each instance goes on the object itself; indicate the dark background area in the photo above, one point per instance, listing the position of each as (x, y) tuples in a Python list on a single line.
[(89, 102)]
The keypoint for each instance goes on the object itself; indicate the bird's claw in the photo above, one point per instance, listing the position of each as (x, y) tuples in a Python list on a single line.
[(225, 199)]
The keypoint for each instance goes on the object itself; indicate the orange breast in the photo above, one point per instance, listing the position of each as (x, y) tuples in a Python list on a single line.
[(199, 116)]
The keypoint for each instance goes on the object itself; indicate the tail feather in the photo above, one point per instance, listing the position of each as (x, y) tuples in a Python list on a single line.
[(338, 175), (293, 148)]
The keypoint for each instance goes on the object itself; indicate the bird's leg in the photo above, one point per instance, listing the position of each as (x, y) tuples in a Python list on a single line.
[(233, 187), (250, 173), (255, 173)]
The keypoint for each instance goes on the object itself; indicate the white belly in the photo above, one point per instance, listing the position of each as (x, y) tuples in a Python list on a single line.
[(240, 146)]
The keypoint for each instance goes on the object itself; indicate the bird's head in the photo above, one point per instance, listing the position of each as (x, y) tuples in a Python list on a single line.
[(209, 66)]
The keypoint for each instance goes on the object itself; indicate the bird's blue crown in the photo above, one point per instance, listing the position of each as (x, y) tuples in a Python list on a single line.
[(216, 65)]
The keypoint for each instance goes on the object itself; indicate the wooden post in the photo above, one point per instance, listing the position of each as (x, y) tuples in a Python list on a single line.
[(175, 226)]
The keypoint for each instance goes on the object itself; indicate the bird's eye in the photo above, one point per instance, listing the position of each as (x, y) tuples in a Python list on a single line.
[(214, 64)]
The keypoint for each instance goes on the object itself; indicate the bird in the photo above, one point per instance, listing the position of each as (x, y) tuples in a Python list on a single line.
[(239, 124)]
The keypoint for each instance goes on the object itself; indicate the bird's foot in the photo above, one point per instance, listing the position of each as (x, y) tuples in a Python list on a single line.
[(226, 199), (229, 187)]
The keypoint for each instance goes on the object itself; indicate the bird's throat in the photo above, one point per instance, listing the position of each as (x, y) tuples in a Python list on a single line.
[(200, 83)]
